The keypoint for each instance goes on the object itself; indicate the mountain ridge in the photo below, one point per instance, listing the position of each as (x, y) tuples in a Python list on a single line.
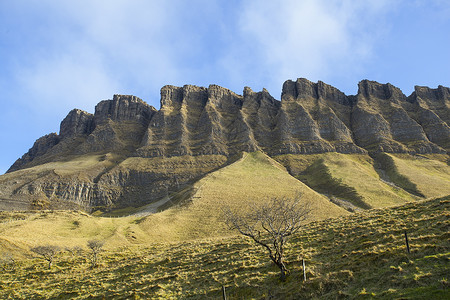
[(330, 127), (198, 129)]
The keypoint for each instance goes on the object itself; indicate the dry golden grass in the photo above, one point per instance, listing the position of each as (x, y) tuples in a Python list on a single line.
[(195, 212), (358, 256), (63, 228), (431, 176), (174, 165), (84, 167), (358, 172), (351, 177), (255, 177)]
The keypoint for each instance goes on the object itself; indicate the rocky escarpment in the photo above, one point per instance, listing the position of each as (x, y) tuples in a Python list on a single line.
[(385, 120), (206, 127), (310, 118), (76, 123), (314, 118), (198, 121), (117, 125), (40, 148)]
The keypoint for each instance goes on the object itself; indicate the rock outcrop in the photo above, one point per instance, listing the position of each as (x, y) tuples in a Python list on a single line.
[(197, 121), (206, 127), (117, 125), (385, 120), (40, 148), (76, 123), (314, 118)]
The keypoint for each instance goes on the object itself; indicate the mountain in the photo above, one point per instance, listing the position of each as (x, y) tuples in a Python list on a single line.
[(374, 149)]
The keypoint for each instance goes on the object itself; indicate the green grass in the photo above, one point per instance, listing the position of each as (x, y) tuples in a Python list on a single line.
[(348, 177), (319, 177), (186, 251), (195, 212), (425, 174), (253, 178), (357, 256), (387, 163)]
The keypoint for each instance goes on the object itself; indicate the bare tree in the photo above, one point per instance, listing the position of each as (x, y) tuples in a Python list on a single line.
[(96, 247), (75, 250), (269, 224), (47, 252)]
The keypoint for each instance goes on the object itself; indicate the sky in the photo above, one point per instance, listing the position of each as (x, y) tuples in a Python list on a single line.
[(56, 55)]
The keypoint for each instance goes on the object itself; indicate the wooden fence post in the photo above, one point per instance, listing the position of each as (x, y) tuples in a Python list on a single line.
[(304, 270), (407, 243), (224, 294)]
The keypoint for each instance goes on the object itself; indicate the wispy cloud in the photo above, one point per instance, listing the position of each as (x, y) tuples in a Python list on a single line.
[(84, 51), (66, 81), (91, 49), (312, 38), (58, 55)]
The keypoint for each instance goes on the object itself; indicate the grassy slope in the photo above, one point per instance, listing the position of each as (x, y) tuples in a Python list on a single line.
[(354, 178), (64, 228), (430, 176), (357, 171), (339, 251), (85, 167), (253, 178), (362, 255)]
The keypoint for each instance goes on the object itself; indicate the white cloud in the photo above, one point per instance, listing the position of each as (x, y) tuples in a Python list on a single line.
[(68, 80), (314, 39), (92, 49), (96, 48)]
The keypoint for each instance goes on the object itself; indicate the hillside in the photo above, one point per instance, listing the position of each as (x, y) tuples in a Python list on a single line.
[(361, 256), (347, 183), (195, 212), (373, 149)]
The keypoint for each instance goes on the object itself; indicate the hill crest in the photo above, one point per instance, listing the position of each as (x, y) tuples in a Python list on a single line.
[(310, 118), (198, 130)]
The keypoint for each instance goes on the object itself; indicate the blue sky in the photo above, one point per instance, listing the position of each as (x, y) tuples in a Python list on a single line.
[(59, 55)]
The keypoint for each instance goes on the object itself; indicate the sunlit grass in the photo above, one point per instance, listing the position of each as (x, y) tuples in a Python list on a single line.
[(388, 180), (253, 178), (430, 176), (185, 251), (361, 255)]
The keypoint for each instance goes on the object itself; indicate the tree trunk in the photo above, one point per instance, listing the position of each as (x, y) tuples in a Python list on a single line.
[(283, 274), (283, 270)]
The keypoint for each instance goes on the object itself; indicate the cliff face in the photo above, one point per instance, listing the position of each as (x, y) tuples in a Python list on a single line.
[(385, 120), (314, 118), (118, 125), (211, 125), (310, 118), (198, 121), (40, 148)]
